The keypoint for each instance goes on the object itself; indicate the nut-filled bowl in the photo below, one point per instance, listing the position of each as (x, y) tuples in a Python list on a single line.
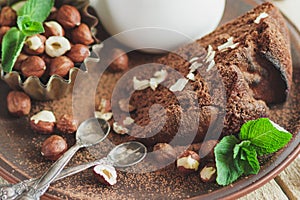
[(48, 63)]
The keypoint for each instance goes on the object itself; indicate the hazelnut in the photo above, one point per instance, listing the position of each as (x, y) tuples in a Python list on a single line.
[(66, 124), (19, 61), (164, 153), (82, 35), (8, 16), (120, 128), (53, 147), (33, 66), (105, 116), (52, 28), (3, 30), (78, 53), (104, 106), (57, 46), (207, 149), (68, 16), (125, 106), (209, 173), (106, 174), (188, 162), (34, 45), (43, 122), (18, 103), (119, 60), (60, 66)]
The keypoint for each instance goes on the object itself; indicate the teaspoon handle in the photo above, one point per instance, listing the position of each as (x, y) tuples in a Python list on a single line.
[(41, 186), (12, 191)]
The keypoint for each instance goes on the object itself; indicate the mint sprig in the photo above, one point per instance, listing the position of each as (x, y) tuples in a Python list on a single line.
[(30, 22), (237, 156)]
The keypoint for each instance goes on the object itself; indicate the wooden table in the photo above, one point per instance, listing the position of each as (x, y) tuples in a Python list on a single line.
[(287, 184)]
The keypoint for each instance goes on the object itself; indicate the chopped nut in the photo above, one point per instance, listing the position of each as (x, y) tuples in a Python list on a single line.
[(140, 84), (106, 174), (188, 162), (104, 106), (119, 129), (208, 173), (179, 85), (66, 124), (106, 116)]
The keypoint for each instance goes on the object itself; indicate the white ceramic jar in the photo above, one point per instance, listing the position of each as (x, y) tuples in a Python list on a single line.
[(158, 24)]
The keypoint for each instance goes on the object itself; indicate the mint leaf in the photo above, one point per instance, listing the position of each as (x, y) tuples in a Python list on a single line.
[(265, 136), (12, 44), (227, 169), (37, 10), (246, 157), (29, 27)]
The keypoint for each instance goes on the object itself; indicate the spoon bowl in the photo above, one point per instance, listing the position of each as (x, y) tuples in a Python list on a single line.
[(127, 154), (92, 131)]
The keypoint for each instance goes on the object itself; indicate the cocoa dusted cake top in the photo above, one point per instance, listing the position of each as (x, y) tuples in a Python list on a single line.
[(215, 84)]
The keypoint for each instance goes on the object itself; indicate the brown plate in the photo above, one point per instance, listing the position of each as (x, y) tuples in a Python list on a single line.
[(20, 158)]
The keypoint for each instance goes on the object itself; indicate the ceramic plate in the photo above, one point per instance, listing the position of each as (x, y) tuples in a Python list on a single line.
[(20, 156)]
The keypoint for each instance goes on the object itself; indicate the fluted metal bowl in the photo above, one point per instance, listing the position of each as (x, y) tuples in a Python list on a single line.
[(57, 86)]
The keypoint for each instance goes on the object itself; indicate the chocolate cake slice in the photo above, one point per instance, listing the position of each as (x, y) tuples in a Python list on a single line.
[(214, 85)]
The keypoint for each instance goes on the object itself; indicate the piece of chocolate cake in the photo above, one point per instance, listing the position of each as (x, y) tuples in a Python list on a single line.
[(214, 85)]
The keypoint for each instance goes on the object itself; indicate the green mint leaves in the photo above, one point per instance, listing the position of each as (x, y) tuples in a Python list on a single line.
[(37, 10), (265, 136), (12, 44), (29, 27), (30, 22), (238, 156)]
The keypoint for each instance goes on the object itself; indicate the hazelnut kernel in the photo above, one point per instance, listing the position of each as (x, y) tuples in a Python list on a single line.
[(18, 103), (188, 162), (60, 66), (19, 61), (57, 46), (78, 53), (66, 124), (34, 45), (53, 147), (82, 35), (119, 60), (68, 16), (106, 174), (52, 28), (208, 173), (33, 66), (8, 16)]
